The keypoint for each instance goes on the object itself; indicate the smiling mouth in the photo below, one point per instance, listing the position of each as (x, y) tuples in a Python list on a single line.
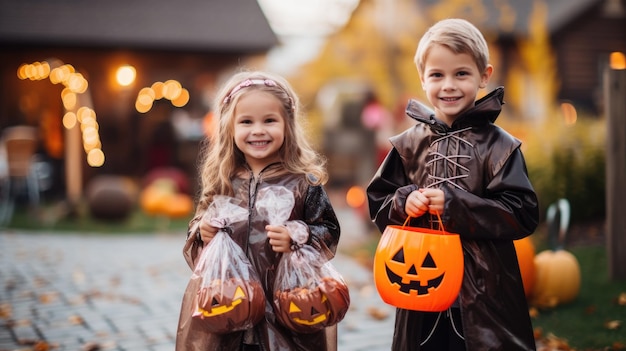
[(258, 143), (450, 99)]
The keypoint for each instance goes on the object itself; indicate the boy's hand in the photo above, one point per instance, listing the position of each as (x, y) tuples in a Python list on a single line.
[(279, 238), (207, 232), (436, 199), (416, 204)]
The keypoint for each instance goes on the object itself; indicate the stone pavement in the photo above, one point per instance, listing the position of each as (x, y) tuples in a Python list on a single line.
[(88, 292)]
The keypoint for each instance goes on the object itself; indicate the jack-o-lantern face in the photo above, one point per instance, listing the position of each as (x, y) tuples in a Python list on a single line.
[(308, 310), (420, 279), (230, 305), (418, 269), (218, 307)]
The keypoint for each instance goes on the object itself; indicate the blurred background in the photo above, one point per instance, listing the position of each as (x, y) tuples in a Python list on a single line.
[(115, 96), (105, 105)]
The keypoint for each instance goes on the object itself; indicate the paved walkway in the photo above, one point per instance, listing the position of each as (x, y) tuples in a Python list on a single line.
[(87, 292)]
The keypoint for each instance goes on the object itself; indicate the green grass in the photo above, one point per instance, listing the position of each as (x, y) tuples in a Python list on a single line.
[(583, 322), (56, 218)]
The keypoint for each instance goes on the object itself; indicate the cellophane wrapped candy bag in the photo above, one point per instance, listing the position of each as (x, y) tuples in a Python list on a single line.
[(230, 296), (309, 293)]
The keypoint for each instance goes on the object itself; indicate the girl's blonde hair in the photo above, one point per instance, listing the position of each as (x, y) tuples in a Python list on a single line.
[(458, 35), (222, 159)]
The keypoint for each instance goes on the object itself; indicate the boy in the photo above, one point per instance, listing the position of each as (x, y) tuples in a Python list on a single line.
[(457, 163)]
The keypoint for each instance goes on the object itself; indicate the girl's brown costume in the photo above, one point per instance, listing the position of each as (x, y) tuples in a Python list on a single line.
[(312, 206)]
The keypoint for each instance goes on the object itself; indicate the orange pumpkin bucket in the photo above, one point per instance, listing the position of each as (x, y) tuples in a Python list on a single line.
[(417, 268)]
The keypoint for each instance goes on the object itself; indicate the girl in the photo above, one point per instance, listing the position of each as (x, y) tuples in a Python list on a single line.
[(258, 143)]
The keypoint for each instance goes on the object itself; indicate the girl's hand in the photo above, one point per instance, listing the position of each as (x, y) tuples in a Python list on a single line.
[(416, 204), (279, 238), (436, 199), (207, 232)]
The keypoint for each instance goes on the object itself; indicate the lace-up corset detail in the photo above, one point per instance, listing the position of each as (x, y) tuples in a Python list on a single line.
[(445, 161)]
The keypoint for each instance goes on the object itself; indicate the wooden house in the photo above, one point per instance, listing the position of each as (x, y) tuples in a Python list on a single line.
[(561, 48), (194, 42)]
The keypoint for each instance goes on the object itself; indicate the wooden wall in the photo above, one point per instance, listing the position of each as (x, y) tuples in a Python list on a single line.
[(583, 47)]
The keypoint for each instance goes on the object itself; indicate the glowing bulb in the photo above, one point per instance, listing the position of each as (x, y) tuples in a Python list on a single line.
[(355, 197), (126, 75), (617, 60)]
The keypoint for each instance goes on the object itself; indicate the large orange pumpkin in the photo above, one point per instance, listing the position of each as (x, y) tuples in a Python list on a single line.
[(557, 271), (418, 269), (526, 259), (558, 278)]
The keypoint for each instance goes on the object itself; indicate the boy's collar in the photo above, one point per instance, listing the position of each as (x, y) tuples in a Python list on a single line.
[(485, 110)]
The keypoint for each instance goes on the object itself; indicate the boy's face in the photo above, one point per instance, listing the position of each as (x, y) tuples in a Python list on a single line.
[(451, 82)]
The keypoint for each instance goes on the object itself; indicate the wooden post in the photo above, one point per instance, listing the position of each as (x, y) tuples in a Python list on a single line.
[(615, 105), (73, 167)]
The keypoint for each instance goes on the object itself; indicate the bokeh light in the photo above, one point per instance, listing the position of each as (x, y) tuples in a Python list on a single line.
[(569, 113), (617, 60), (95, 158), (171, 90), (74, 83), (126, 75), (355, 196)]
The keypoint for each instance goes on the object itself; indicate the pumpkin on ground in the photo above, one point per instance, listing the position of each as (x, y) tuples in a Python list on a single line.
[(418, 269), (526, 258), (161, 197), (557, 278), (179, 206)]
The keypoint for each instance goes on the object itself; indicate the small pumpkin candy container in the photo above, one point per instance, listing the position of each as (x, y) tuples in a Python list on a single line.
[(230, 296), (230, 305), (418, 269), (310, 294)]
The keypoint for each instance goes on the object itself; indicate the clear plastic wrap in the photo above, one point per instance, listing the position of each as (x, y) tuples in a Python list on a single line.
[(230, 296), (309, 293)]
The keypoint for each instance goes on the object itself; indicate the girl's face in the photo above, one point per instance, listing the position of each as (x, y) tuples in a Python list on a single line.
[(451, 82), (259, 128)]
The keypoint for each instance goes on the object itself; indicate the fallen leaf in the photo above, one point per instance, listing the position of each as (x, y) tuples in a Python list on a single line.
[(76, 319), (377, 313), (23, 323), (41, 346), (553, 343), (613, 325), (533, 312), (621, 299), (48, 297), (6, 311)]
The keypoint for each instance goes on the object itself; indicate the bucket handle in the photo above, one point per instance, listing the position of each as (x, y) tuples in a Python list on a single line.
[(443, 231)]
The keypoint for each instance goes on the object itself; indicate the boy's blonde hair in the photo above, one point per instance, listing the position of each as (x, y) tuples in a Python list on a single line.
[(458, 35), (222, 159)]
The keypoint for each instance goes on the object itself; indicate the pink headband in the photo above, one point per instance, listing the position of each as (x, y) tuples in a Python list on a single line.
[(249, 82)]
